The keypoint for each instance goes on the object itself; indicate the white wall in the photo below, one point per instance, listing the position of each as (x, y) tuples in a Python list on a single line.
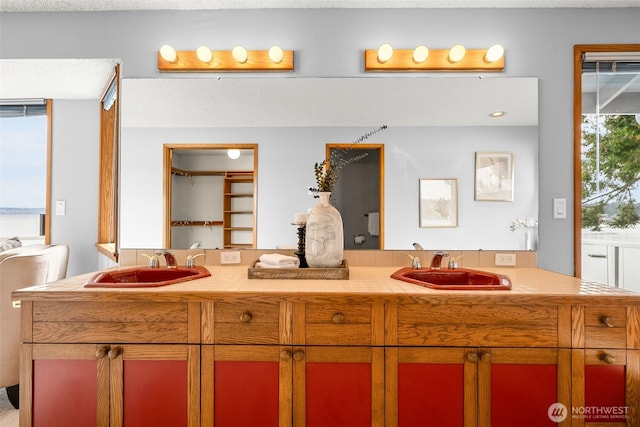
[(285, 160), (74, 179), (329, 42)]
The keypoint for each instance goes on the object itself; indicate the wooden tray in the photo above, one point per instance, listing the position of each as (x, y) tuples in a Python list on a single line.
[(337, 273)]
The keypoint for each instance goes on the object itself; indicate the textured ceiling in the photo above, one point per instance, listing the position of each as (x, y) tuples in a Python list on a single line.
[(102, 5)]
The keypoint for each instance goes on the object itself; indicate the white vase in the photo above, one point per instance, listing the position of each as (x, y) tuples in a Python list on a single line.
[(529, 242), (324, 241)]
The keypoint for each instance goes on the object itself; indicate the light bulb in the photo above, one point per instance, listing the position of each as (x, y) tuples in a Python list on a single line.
[(239, 53), (420, 54), (204, 54), (168, 53), (494, 53), (233, 153), (276, 54), (456, 53), (385, 52)]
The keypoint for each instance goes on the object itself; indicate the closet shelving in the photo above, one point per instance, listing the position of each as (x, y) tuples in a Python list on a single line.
[(238, 206), (238, 209)]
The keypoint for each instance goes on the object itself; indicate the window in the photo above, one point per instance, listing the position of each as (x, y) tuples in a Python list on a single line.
[(25, 147), (607, 162), (108, 187)]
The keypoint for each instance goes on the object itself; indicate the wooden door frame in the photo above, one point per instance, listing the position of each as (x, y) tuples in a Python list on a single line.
[(379, 147)]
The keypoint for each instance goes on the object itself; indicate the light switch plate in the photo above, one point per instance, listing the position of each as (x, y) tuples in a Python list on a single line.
[(560, 208), (61, 207)]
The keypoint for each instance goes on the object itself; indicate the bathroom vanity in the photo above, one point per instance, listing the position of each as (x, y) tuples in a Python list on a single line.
[(369, 351)]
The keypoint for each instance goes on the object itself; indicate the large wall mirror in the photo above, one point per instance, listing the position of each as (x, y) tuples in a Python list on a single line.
[(435, 127), (210, 195)]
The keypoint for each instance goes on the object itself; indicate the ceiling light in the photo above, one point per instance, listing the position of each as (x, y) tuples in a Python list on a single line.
[(456, 53), (385, 52), (494, 53), (168, 53), (276, 54), (239, 53), (420, 54), (204, 54), (497, 114), (233, 153)]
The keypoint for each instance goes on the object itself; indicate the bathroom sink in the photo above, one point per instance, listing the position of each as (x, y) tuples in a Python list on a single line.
[(456, 279), (145, 277)]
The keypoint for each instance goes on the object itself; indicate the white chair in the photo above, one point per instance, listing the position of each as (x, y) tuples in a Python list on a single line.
[(20, 268)]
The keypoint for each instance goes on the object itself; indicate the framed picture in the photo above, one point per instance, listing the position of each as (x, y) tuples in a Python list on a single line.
[(438, 202), (494, 177)]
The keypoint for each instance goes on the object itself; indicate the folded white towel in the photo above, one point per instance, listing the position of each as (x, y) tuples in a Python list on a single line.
[(279, 259), (373, 224), (287, 265)]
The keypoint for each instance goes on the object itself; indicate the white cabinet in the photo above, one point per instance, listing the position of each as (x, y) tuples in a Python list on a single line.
[(599, 263), (629, 268)]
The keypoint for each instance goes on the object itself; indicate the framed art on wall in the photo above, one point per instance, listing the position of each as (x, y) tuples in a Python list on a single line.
[(494, 176), (438, 202)]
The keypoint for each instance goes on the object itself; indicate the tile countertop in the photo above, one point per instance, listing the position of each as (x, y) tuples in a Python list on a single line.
[(530, 285)]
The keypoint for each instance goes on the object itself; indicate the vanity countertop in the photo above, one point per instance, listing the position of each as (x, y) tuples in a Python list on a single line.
[(364, 283)]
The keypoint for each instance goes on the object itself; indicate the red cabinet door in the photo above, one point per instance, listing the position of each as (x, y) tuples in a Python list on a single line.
[(246, 386), (65, 392), (338, 386), (519, 386), (430, 387)]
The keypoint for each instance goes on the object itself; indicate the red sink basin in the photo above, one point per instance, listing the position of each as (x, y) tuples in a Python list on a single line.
[(145, 277), (457, 279)]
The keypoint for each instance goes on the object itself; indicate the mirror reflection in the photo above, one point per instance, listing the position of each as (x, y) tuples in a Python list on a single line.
[(210, 196), (435, 127)]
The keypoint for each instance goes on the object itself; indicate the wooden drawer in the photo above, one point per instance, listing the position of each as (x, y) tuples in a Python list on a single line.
[(337, 324), (246, 322), (605, 326), (113, 322), (476, 325)]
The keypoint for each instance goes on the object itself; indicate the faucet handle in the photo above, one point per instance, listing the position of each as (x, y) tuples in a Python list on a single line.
[(191, 260), (153, 260)]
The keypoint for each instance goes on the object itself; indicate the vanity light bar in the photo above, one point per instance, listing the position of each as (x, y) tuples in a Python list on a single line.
[(435, 60), (238, 59)]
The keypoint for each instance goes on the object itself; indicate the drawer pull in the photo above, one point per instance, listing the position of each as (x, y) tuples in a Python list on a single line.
[(102, 351), (597, 256), (285, 355), (607, 358), (485, 357), (115, 352), (338, 318), (246, 317), (298, 356), (472, 357), (607, 321)]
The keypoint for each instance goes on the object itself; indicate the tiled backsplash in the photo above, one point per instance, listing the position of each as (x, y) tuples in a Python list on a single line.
[(355, 258)]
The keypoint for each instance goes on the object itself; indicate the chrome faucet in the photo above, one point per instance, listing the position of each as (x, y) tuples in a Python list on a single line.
[(191, 260), (436, 261), (168, 256)]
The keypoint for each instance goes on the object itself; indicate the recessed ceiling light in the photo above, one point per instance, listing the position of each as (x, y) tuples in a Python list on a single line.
[(497, 114)]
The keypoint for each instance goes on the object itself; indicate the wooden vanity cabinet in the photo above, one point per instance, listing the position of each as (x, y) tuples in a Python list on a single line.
[(475, 365), (86, 365), (301, 364), (343, 359)]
